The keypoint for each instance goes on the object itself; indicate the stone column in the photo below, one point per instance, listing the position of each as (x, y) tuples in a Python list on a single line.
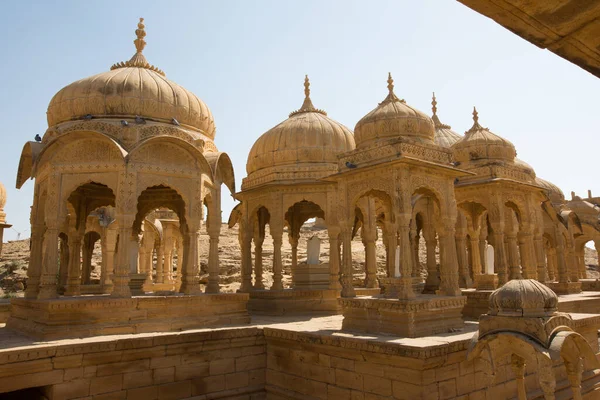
[(462, 259), (35, 261), (500, 262), (258, 262), (513, 256), (540, 258), (74, 271), (50, 265), (448, 261), (572, 263), (347, 273), (368, 237), (160, 264), (110, 239), (214, 231), (574, 372), (405, 290), (476, 266), (190, 281), (518, 367), (64, 264), (245, 238), (168, 266), (414, 248), (391, 245), (552, 265), (294, 244), (527, 252), (432, 283), (561, 262), (334, 257), (277, 234), (122, 267), (580, 256), (86, 267)]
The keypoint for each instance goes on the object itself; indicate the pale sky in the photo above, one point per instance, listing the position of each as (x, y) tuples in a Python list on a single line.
[(247, 60)]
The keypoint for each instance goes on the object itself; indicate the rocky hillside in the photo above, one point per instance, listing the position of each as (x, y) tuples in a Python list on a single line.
[(15, 259)]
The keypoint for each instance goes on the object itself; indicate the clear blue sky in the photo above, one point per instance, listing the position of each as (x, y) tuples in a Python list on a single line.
[(247, 60)]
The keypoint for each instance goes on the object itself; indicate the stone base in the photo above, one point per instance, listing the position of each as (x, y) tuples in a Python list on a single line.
[(422, 316), (311, 276), (477, 302), (590, 285), (294, 301), (76, 317), (360, 291), (486, 282), (565, 288)]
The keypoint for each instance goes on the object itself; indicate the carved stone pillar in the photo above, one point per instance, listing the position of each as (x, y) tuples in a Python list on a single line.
[(572, 263), (50, 265), (63, 271), (168, 266), (214, 231), (347, 272), (540, 258), (580, 256), (432, 283), (122, 267), (574, 372), (110, 242), (462, 259), (552, 264), (448, 261), (513, 256), (334, 257), (518, 366), (368, 237), (294, 244), (277, 234), (414, 248), (35, 261), (527, 252), (561, 261), (245, 238), (405, 290), (160, 264), (87, 252), (74, 270), (500, 261), (258, 262), (190, 281), (391, 247), (476, 267), (546, 376)]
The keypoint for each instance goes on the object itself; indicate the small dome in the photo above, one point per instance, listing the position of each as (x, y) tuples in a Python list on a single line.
[(554, 193), (307, 137), (523, 298), (132, 88), (444, 135), (479, 143), (393, 118)]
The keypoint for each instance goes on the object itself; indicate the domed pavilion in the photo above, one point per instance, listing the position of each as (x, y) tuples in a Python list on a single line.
[(121, 145)]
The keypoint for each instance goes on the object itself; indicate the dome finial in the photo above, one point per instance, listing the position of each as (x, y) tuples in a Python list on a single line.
[(475, 116), (391, 97), (140, 43), (307, 105), (138, 60), (306, 87), (476, 126), (434, 105)]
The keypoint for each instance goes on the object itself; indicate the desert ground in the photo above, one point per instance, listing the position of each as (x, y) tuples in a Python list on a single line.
[(15, 260)]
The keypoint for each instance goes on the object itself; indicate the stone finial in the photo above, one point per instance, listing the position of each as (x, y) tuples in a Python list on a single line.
[(589, 194), (140, 43), (391, 97), (476, 126), (138, 60), (475, 116), (434, 105), (307, 105)]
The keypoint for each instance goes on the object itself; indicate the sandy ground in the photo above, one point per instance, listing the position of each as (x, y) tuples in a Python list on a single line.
[(15, 259)]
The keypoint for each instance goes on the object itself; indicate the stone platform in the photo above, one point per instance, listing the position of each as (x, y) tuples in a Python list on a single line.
[(422, 316), (77, 317), (565, 288), (294, 301), (367, 291), (590, 285), (585, 302)]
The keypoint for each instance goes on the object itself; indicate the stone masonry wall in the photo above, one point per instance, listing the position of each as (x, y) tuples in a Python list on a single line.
[(220, 364)]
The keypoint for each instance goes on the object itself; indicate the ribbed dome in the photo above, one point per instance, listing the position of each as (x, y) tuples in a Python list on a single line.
[(556, 195), (523, 298), (444, 135), (393, 118), (479, 143), (130, 89), (307, 137)]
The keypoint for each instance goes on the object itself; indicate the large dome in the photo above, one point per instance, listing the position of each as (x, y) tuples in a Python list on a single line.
[(523, 298), (308, 136), (480, 143), (132, 88), (393, 118)]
